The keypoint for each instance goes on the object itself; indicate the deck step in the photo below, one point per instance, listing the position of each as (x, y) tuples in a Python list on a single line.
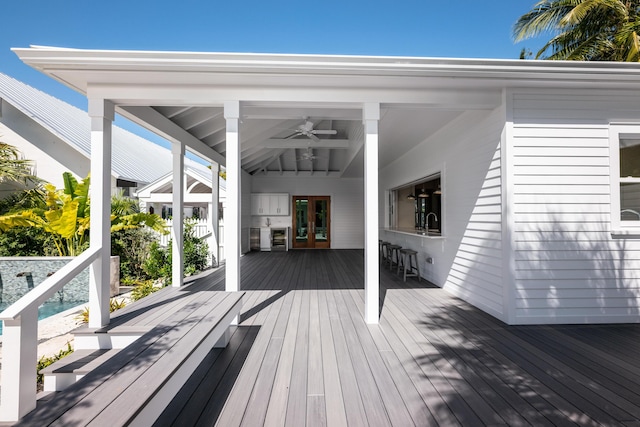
[(117, 337), (69, 369)]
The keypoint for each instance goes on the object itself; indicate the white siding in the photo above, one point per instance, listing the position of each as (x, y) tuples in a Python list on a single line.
[(347, 204), (567, 266), (468, 260)]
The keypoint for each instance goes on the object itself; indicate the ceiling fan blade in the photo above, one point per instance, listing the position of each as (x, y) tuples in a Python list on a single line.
[(324, 132), (315, 138), (294, 135)]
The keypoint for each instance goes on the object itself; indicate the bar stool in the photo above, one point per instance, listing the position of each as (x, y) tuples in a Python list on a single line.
[(407, 258), (393, 250), (382, 247)]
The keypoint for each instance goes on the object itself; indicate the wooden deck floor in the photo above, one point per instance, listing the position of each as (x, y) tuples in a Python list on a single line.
[(303, 355)]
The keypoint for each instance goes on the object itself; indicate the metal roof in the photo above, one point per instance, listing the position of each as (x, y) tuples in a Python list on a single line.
[(133, 157)]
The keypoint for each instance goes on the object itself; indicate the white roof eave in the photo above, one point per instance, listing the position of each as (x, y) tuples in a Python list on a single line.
[(81, 68)]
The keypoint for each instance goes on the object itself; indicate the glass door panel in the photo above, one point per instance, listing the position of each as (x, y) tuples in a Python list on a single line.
[(311, 222), (301, 222)]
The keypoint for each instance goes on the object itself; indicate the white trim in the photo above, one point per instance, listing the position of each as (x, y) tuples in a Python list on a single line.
[(508, 222), (233, 218), (102, 114), (371, 117), (616, 132), (177, 228)]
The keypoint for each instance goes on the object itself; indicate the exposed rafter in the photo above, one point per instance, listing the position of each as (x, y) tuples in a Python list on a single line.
[(156, 122)]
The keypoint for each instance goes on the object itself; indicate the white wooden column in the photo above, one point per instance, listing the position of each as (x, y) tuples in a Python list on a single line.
[(213, 212), (371, 117), (234, 198), (19, 391), (102, 114), (177, 229)]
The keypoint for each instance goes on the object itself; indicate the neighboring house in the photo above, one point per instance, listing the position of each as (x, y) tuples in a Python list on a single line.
[(525, 171), (56, 137), (157, 197)]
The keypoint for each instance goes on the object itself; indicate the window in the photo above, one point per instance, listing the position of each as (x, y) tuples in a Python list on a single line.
[(625, 178), (419, 206)]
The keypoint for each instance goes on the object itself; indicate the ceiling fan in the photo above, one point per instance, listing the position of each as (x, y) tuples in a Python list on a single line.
[(308, 155), (306, 129)]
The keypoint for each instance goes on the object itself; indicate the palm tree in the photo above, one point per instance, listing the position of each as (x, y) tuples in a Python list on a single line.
[(12, 167), (584, 30)]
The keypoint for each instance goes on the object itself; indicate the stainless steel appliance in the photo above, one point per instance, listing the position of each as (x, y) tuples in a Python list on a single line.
[(254, 239), (279, 239)]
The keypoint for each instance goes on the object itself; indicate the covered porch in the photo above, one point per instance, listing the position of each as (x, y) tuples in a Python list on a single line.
[(302, 354)]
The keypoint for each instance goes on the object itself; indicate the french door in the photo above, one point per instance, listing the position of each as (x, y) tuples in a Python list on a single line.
[(311, 222)]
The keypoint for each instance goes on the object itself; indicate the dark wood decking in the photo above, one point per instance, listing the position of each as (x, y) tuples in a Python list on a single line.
[(303, 355)]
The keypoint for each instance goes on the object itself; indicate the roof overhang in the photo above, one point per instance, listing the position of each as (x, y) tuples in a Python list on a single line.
[(180, 94)]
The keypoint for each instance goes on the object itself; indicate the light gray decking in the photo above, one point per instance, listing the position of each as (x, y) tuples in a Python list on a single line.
[(303, 355)]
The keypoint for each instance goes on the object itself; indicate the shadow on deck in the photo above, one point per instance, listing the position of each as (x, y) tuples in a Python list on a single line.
[(302, 355)]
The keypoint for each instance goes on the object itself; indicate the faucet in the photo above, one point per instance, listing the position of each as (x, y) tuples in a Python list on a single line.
[(427, 219)]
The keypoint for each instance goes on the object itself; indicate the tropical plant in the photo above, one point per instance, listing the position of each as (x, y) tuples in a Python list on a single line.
[(114, 304), (133, 246), (12, 167), (45, 361), (143, 289), (66, 217), (26, 241), (586, 30), (195, 251)]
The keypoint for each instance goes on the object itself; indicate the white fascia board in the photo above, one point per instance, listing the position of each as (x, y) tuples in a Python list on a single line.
[(185, 74), (150, 188), (64, 58)]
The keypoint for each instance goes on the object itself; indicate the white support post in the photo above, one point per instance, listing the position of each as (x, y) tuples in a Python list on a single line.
[(213, 212), (18, 390), (177, 229), (234, 194), (371, 117), (102, 114)]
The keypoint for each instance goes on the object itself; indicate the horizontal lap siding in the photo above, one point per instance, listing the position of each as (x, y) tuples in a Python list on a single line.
[(468, 260), (568, 268), (474, 211)]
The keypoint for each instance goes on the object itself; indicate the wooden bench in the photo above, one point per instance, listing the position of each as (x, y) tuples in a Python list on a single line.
[(133, 385)]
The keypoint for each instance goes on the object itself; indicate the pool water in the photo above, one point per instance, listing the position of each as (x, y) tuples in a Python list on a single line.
[(47, 309)]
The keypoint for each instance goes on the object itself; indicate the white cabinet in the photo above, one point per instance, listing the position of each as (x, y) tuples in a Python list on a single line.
[(260, 204), (269, 204), (280, 204)]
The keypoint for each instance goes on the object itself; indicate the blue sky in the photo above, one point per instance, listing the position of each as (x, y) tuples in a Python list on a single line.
[(467, 28)]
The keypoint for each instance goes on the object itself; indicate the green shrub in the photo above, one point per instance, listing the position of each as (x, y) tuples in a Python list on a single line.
[(133, 246), (46, 361), (143, 289), (158, 264), (196, 253), (26, 241)]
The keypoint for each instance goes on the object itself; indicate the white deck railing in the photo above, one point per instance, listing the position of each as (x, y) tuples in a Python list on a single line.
[(20, 339)]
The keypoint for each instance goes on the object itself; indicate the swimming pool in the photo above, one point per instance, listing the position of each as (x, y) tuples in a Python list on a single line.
[(47, 309)]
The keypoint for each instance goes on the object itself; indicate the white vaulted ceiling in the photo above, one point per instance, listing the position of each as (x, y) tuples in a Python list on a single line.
[(271, 145)]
